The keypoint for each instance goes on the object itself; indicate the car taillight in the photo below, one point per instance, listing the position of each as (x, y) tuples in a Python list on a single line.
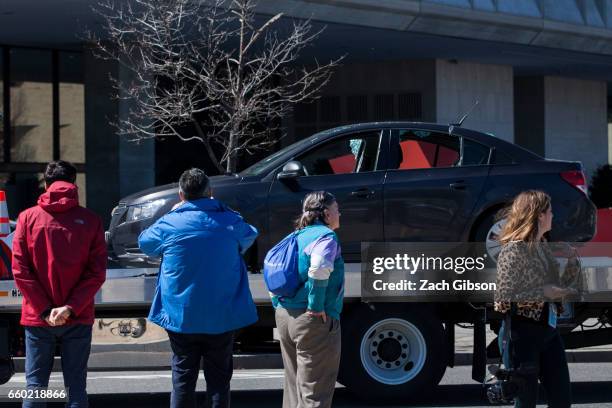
[(577, 179)]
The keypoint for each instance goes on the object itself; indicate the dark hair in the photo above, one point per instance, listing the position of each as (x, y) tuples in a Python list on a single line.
[(60, 170), (313, 208), (194, 184)]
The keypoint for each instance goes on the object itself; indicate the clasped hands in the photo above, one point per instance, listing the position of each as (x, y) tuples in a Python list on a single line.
[(58, 316)]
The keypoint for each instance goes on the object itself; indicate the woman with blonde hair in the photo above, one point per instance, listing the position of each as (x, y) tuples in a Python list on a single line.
[(528, 285)]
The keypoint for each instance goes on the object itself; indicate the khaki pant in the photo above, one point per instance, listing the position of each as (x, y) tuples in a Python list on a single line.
[(311, 356)]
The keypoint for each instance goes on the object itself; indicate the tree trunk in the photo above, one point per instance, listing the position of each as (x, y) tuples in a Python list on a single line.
[(232, 158), (209, 150)]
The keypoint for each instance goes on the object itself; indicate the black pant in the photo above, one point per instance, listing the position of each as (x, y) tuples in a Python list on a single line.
[(216, 352), (537, 351)]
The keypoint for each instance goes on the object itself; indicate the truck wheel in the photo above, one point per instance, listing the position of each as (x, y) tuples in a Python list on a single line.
[(392, 352)]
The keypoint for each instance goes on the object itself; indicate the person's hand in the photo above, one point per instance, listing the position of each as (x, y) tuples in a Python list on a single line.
[(59, 315), (553, 292), (57, 322), (318, 314), (49, 322), (568, 292)]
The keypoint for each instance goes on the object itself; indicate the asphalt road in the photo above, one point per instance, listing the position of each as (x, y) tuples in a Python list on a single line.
[(592, 387)]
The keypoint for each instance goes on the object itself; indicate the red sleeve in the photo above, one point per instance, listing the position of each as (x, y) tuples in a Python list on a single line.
[(25, 276), (94, 274)]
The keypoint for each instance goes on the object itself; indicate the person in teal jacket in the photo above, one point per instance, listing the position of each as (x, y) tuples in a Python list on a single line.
[(202, 294), (309, 322)]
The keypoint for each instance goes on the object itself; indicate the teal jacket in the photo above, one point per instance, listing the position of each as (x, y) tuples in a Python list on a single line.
[(317, 294)]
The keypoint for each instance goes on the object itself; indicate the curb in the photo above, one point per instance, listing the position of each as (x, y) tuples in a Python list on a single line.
[(155, 361)]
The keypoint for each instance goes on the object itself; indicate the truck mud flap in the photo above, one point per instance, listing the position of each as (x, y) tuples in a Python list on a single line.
[(479, 356)]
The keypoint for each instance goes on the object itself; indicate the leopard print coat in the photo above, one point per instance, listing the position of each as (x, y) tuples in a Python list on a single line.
[(522, 273)]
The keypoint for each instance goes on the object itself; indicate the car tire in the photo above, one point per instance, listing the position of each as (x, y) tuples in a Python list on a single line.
[(392, 352), (486, 231)]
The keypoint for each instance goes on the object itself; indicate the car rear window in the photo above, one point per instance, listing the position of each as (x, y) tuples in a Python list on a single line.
[(423, 149), (420, 149)]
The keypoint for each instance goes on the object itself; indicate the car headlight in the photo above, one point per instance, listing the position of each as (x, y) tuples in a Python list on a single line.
[(145, 210)]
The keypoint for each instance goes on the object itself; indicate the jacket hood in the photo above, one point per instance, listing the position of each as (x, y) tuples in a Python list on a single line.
[(61, 196)]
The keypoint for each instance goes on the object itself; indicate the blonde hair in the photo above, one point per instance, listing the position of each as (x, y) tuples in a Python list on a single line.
[(522, 217)]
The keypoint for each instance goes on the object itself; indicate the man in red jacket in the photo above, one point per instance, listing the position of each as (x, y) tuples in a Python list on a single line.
[(59, 263)]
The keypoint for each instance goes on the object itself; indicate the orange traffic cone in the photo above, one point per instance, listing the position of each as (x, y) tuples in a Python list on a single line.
[(5, 228)]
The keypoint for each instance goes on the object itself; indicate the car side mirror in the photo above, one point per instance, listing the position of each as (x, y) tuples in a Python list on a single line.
[(291, 171)]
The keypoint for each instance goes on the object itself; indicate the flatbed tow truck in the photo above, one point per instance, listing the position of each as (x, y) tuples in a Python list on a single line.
[(389, 350)]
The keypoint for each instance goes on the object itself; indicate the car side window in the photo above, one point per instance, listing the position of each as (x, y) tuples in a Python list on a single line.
[(502, 158), (422, 149), (356, 153), (474, 153)]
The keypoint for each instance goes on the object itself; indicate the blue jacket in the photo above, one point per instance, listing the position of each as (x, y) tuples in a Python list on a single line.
[(203, 285)]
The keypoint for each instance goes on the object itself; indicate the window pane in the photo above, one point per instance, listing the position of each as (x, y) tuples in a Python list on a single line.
[(72, 108), (22, 191), (474, 154), (356, 153), (424, 150), (501, 158), (31, 106)]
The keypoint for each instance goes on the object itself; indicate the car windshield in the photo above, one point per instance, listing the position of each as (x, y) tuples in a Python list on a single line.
[(262, 166)]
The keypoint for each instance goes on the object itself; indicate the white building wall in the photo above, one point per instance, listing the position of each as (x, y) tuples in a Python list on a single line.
[(460, 84), (576, 126)]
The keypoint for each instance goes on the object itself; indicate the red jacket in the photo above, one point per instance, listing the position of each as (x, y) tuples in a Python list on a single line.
[(59, 256)]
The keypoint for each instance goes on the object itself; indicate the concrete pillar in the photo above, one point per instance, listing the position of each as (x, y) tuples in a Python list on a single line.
[(459, 84), (101, 142), (576, 121), (115, 167), (136, 159)]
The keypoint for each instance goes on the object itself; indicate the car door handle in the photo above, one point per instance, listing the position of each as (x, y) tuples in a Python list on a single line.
[(460, 185), (363, 192)]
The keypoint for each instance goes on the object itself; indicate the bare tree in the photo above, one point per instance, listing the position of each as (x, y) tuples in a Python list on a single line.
[(205, 70)]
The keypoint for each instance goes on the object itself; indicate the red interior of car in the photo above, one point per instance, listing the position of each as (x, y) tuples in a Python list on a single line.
[(343, 164), (422, 155)]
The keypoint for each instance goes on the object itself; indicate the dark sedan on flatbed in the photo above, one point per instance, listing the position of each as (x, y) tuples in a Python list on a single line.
[(394, 182)]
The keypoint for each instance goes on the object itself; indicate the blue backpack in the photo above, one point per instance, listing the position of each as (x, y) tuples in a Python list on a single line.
[(280, 269)]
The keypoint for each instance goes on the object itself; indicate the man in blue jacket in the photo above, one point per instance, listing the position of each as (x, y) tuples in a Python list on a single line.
[(203, 294)]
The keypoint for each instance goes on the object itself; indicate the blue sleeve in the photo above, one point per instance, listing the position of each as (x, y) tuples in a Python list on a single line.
[(245, 234), (150, 240)]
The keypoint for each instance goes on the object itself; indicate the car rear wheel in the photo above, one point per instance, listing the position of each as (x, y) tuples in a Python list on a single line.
[(489, 231), (392, 352)]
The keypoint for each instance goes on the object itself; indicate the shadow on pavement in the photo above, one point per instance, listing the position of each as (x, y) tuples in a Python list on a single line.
[(464, 395)]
